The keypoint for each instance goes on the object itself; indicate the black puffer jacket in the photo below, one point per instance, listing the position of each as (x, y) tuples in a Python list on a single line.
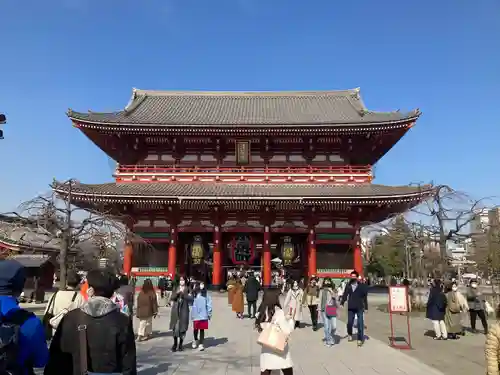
[(110, 341)]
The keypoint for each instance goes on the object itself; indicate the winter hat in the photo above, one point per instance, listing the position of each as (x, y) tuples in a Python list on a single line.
[(12, 277)]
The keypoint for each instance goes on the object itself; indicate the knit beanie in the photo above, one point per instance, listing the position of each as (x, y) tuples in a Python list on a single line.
[(12, 277)]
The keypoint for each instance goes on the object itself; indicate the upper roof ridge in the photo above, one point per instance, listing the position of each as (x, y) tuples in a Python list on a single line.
[(138, 92)]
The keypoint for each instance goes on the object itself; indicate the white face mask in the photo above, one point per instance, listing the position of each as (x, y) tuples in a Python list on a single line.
[(295, 286), (182, 283), (202, 286), (473, 286), (454, 288)]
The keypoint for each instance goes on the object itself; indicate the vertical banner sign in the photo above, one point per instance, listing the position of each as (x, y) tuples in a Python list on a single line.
[(399, 305), (242, 152)]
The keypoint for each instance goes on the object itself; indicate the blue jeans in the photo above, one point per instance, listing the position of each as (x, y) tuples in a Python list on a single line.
[(330, 327), (361, 323)]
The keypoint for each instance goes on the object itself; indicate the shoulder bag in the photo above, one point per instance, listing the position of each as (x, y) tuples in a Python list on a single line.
[(55, 320), (48, 316), (331, 308), (273, 337)]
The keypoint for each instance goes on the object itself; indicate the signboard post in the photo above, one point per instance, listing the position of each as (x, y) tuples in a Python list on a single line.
[(399, 304)]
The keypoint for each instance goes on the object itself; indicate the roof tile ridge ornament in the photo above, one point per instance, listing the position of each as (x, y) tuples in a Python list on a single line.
[(137, 98)]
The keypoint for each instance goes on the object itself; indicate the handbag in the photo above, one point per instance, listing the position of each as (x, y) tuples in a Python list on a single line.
[(47, 317), (331, 309), (273, 337), (55, 320)]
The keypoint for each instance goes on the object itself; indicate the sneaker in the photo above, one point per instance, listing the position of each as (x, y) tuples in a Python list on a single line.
[(349, 338), (201, 348), (174, 348), (437, 338), (360, 343), (194, 345)]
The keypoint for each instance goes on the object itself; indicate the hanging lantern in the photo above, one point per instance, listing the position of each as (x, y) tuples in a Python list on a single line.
[(197, 251), (287, 251)]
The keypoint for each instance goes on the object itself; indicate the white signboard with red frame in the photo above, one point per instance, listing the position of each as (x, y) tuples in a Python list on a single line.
[(398, 299)]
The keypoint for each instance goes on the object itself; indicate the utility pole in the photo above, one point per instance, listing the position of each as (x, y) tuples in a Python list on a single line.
[(3, 120)]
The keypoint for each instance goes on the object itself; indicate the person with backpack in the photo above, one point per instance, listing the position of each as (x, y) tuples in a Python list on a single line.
[(328, 308), (22, 336), (97, 337)]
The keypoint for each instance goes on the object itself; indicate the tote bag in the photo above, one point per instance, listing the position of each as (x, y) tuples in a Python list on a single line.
[(273, 337), (54, 321)]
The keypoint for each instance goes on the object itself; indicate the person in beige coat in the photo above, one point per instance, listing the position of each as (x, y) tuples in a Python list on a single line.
[(293, 303), (69, 299), (492, 347), (311, 300)]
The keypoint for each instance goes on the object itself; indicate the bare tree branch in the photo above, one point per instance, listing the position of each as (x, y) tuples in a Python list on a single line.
[(76, 230)]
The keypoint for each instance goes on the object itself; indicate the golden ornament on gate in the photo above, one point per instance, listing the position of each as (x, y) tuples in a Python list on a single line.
[(197, 251), (287, 251)]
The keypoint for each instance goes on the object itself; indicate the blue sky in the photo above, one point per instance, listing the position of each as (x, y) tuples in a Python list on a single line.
[(440, 56)]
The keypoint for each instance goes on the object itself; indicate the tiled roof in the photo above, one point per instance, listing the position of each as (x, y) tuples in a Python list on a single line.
[(244, 191), (168, 108)]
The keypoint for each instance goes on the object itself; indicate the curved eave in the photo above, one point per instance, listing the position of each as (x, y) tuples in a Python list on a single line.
[(359, 127), (306, 200)]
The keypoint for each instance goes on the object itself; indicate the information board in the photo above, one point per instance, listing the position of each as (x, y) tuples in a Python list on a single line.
[(398, 299)]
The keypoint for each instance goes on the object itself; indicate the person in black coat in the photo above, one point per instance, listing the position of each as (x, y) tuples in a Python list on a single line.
[(251, 290), (436, 310), (109, 337), (356, 296)]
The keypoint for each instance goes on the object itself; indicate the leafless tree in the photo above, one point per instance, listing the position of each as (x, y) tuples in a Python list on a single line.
[(446, 216), (73, 226)]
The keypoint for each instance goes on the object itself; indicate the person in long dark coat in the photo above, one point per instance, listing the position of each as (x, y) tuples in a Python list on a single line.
[(179, 317), (436, 310)]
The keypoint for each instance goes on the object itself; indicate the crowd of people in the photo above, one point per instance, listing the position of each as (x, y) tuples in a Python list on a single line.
[(320, 297), (90, 325), (446, 306)]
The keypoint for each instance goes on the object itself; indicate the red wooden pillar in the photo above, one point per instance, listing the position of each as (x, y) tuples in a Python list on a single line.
[(266, 258), (172, 251), (217, 261), (311, 254), (358, 256), (128, 253)]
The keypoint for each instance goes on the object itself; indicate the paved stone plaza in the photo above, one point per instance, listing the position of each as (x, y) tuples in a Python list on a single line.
[(232, 349)]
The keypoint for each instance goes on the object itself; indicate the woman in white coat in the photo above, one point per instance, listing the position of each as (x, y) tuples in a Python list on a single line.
[(293, 303), (270, 310)]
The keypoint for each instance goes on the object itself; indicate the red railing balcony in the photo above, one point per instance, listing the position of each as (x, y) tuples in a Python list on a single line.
[(254, 174)]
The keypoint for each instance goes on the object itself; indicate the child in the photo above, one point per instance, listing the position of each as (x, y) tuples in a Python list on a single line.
[(201, 313)]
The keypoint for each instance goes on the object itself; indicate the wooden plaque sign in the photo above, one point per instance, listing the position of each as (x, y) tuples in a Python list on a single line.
[(243, 152)]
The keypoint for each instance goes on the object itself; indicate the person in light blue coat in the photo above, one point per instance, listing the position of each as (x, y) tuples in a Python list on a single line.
[(201, 313)]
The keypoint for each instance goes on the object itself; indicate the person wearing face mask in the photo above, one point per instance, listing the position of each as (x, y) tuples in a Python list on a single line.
[(455, 305), (311, 300), (293, 303), (477, 307), (179, 314), (201, 313), (356, 296)]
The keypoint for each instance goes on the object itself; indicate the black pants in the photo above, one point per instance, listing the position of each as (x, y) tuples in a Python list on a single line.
[(285, 371), (252, 308), (313, 309), (474, 314), (201, 337)]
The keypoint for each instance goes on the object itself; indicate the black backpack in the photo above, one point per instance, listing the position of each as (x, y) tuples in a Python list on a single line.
[(10, 326)]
